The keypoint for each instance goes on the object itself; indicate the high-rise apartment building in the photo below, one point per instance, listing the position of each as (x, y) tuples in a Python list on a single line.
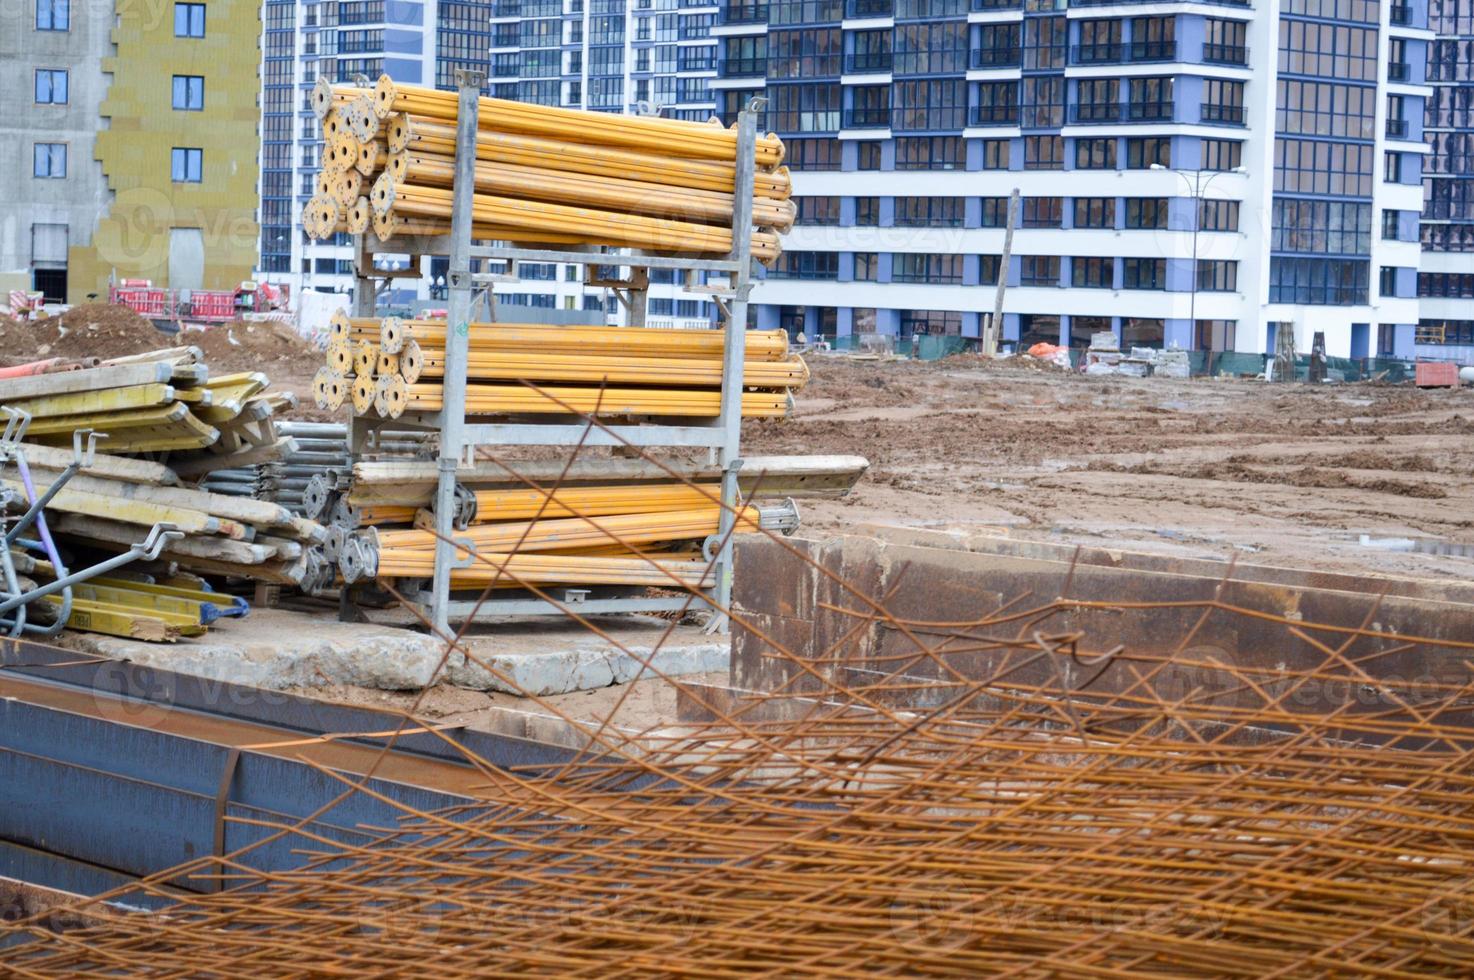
[(1446, 279), (130, 149), (1197, 175)]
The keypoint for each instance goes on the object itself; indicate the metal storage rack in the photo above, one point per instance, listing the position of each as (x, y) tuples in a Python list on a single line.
[(460, 437)]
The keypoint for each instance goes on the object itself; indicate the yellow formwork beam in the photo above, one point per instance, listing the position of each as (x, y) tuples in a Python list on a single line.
[(645, 498), (92, 616), (416, 362), (92, 403)]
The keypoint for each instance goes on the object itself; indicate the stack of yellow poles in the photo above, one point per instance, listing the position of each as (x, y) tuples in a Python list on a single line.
[(543, 174), (392, 366)]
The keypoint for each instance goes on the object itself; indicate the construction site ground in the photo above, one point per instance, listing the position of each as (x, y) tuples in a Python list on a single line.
[(1337, 477)]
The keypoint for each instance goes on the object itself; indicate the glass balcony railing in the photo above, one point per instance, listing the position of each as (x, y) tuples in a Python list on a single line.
[(1230, 115), (1225, 54), (1397, 72), (1397, 129), (988, 5), (863, 62), (867, 118), (1097, 54), (858, 9), (745, 13), (1095, 112), (993, 115), (1152, 51), (746, 67), (1149, 111), (1400, 14), (994, 58)]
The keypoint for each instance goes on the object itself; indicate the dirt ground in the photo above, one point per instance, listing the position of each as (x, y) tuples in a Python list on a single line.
[(1291, 474)]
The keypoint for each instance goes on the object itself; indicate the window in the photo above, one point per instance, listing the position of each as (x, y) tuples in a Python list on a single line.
[(189, 20), (808, 108), (934, 269), (1224, 42), (1460, 332), (872, 52), (995, 212), (189, 92), (929, 104), (1216, 215), (1043, 101), (1095, 154), (188, 165), (1221, 154), (1142, 332), (988, 266), (930, 322), (996, 104), (806, 265), (1083, 328), (51, 86), (1093, 272), (868, 154), (995, 154), (1046, 42), (1223, 101), (53, 15), (1146, 212), (1318, 281), (1459, 285), (804, 53), (1150, 98), (1218, 276), (50, 161), (1144, 273), (1322, 167), (1095, 212), (1387, 281), (930, 212), (818, 210), (1034, 328), (930, 49), (867, 267), (1335, 227), (1044, 152), (1040, 270), (1308, 108), (1143, 151), (1392, 168), (867, 211), (813, 153), (1100, 42), (930, 153), (1153, 38), (1098, 100), (1215, 335), (1391, 225), (1308, 48), (1043, 212)]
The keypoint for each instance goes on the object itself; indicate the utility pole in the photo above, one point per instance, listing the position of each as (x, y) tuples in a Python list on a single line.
[(993, 331)]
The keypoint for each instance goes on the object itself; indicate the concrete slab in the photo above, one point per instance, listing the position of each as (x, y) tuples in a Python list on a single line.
[(281, 648)]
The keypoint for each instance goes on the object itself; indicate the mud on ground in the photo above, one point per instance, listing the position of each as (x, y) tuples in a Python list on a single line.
[(1277, 474)]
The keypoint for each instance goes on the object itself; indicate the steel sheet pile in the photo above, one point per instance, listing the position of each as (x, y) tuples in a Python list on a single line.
[(543, 174), (102, 503), (995, 801)]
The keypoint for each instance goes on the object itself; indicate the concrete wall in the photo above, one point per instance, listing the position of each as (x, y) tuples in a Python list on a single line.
[(141, 131), (27, 201)]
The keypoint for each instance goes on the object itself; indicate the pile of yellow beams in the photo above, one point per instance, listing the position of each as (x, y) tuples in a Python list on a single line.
[(387, 367), (154, 402), (543, 174), (157, 611)]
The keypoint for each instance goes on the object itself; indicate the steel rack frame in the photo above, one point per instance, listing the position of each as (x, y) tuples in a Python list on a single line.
[(460, 437)]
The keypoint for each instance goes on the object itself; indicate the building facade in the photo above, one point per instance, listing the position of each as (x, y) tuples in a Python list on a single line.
[(1446, 277), (176, 132), (52, 83), (1195, 175)]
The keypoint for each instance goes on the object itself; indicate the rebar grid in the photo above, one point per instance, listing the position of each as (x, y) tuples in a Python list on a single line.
[(1002, 796)]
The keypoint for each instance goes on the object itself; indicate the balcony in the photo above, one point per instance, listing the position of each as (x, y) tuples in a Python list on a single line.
[(1228, 115), (1397, 72), (867, 62), (1149, 51), (864, 9), (1096, 112), (1225, 54), (867, 118), (994, 58), (746, 67), (745, 13), (984, 6), (1397, 129), (1096, 54), (993, 115), (1149, 111), (1400, 14)]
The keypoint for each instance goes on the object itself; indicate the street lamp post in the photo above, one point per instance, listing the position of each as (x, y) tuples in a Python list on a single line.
[(1198, 187)]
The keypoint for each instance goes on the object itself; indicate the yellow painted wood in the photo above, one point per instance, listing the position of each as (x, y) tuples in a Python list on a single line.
[(91, 403)]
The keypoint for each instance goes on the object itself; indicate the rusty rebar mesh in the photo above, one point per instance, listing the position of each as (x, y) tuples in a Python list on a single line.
[(986, 800)]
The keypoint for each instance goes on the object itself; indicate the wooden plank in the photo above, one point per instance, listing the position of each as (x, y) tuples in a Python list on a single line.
[(192, 467), (139, 512), (90, 379), (169, 355), (96, 403), (246, 510), (112, 467), (115, 532)]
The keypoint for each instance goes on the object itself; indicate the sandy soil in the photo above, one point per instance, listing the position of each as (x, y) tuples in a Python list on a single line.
[(1293, 474)]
